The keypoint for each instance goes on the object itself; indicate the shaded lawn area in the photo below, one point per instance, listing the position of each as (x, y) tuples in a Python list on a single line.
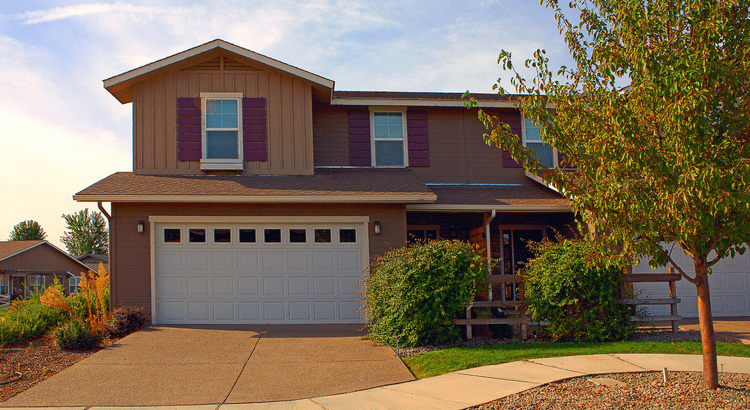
[(439, 362)]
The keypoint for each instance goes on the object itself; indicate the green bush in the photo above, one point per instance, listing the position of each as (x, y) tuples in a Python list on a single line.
[(76, 335), (413, 294), (570, 285), (27, 319)]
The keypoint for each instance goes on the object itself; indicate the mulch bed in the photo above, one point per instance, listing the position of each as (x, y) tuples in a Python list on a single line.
[(35, 360)]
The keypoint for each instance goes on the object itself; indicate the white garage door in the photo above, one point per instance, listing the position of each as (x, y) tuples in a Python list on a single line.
[(729, 285), (260, 272)]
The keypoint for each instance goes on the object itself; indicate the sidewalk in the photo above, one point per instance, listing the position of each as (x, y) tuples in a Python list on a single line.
[(472, 387)]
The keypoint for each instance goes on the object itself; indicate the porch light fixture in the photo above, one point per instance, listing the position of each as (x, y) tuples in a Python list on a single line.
[(453, 231), (141, 227), (377, 227)]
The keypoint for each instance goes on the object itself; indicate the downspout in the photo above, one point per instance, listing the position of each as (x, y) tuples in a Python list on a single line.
[(110, 259), (489, 250)]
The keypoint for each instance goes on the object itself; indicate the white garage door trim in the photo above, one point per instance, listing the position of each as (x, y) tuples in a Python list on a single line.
[(363, 237)]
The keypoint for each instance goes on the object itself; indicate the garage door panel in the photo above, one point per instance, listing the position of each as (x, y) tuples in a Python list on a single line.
[(323, 285), (247, 261), (298, 260), (299, 285), (248, 285), (197, 261), (222, 260), (197, 311), (223, 285), (273, 260), (324, 311), (274, 311), (224, 311), (299, 311), (348, 285), (273, 285), (736, 281), (323, 260), (313, 280), (197, 286), (171, 261), (171, 286)]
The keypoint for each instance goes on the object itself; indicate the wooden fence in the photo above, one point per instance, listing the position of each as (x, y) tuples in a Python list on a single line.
[(4, 301), (670, 279), (520, 304)]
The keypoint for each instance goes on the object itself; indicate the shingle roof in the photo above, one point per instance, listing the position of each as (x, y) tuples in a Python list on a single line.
[(327, 185), (9, 248), (518, 197)]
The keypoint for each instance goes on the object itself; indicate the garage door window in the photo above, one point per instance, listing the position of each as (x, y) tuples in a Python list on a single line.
[(247, 235), (172, 235), (197, 235), (322, 236), (347, 235), (297, 236), (272, 236), (222, 235)]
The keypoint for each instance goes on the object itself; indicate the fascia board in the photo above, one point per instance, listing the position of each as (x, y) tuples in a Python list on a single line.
[(416, 102), (260, 199), (486, 208)]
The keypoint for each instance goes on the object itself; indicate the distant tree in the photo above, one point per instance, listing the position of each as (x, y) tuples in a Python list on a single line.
[(86, 233), (27, 231), (665, 159)]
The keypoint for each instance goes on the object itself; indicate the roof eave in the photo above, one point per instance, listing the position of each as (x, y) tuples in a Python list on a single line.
[(487, 208), (359, 198)]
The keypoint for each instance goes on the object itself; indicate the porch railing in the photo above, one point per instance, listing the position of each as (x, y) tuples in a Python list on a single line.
[(4, 301)]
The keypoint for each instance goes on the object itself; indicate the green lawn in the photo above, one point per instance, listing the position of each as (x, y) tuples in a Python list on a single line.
[(449, 360)]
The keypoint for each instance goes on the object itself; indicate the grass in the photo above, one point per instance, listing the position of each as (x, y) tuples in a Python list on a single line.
[(439, 362)]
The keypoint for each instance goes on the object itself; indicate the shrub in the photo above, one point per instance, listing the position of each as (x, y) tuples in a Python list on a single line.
[(27, 319), (77, 335), (126, 320), (571, 285), (413, 294)]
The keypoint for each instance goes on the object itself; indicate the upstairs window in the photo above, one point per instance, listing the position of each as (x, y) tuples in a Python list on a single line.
[(222, 131), (388, 138), (532, 139)]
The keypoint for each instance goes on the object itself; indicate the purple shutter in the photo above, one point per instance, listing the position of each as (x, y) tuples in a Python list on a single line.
[(359, 138), (188, 129), (513, 118), (419, 147), (508, 161), (254, 130)]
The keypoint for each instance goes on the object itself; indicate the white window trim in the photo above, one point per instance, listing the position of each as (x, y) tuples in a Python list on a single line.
[(401, 110), (216, 163), (523, 132)]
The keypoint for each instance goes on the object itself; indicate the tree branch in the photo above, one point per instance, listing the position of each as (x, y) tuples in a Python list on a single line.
[(679, 269)]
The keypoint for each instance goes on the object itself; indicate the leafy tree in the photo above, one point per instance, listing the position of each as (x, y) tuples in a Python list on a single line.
[(27, 231), (664, 159), (86, 233)]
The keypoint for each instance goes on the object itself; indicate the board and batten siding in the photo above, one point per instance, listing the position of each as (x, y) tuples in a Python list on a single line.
[(289, 120), (457, 151)]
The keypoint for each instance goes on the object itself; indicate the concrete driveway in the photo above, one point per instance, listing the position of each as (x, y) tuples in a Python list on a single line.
[(182, 365)]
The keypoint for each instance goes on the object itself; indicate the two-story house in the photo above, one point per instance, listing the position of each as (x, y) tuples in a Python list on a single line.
[(259, 193)]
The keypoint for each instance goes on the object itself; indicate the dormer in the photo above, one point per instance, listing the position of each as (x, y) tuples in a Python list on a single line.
[(220, 108)]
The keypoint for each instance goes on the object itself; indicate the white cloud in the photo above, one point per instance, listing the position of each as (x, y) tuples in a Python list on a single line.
[(59, 13)]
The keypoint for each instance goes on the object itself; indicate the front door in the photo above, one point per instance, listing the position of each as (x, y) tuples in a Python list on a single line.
[(515, 255)]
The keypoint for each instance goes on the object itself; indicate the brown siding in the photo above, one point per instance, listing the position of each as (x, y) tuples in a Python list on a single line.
[(457, 151), (131, 280), (42, 258), (289, 119)]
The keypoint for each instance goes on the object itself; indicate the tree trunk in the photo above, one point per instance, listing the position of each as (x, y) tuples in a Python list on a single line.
[(710, 367)]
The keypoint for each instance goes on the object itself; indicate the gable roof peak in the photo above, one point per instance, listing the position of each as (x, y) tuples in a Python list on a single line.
[(120, 86)]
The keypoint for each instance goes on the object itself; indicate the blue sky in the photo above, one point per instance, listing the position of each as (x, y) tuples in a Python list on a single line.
[(63, 131)]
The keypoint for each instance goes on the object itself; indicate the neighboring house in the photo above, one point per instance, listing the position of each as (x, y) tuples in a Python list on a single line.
[(259, 193), (92, 260), (27, 266)]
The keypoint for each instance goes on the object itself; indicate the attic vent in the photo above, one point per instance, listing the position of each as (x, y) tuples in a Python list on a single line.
[(216, 65)]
